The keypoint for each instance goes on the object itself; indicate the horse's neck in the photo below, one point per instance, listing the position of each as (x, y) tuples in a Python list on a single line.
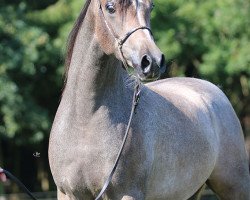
[(94, 78)]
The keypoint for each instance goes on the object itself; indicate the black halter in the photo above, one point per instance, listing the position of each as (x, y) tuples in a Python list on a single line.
[(121, 40)]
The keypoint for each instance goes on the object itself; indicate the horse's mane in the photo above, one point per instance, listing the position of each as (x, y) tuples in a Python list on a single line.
[(74, 32), (72, 37)]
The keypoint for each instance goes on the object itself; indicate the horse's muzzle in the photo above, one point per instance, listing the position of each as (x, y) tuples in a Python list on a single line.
[(151, 68)]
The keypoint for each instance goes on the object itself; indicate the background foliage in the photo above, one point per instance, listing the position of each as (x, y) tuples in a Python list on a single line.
[(209, 40)]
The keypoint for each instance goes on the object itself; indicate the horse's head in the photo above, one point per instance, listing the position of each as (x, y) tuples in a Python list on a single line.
[(123, 29)]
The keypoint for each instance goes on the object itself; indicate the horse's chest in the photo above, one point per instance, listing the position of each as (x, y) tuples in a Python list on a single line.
[(85, 154)]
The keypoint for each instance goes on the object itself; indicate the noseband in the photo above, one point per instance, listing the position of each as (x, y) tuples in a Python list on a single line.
[(122, 40)]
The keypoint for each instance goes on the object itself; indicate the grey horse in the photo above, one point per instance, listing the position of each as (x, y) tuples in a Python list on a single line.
[(184, 134)]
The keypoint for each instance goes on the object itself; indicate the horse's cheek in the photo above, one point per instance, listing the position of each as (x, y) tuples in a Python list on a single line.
[(105, 39)]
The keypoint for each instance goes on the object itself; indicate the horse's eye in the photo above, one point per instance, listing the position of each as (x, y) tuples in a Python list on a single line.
[(152, 6), (110, 7)]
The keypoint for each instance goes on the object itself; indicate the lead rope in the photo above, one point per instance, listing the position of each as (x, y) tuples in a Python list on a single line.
[(136, 98), (18, 182)]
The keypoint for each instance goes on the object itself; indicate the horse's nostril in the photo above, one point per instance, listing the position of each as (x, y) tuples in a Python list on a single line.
[(163, 66), (146, 63), (163, 61)]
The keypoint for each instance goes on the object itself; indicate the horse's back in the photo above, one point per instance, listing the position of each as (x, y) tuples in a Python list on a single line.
[(230, 175), (189, 88)]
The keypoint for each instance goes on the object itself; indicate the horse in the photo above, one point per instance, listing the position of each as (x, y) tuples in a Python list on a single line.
[(184, 133)]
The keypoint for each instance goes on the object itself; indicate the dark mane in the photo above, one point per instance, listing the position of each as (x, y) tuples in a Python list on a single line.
[(72, 38)]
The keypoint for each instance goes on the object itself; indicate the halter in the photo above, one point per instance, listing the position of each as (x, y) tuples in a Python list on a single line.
[(122, 40)]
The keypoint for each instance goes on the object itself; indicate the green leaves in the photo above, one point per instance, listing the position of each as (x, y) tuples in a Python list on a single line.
[(24, 54), (208, 39)]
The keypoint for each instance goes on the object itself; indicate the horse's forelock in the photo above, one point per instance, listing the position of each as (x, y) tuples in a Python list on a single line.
[(126, 3)]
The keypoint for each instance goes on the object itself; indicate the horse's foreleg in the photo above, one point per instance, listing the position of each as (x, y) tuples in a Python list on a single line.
[(197, 195), (230, 179), (229, 191)]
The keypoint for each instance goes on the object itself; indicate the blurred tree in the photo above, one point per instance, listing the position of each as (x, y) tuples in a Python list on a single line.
[(32, 37)]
